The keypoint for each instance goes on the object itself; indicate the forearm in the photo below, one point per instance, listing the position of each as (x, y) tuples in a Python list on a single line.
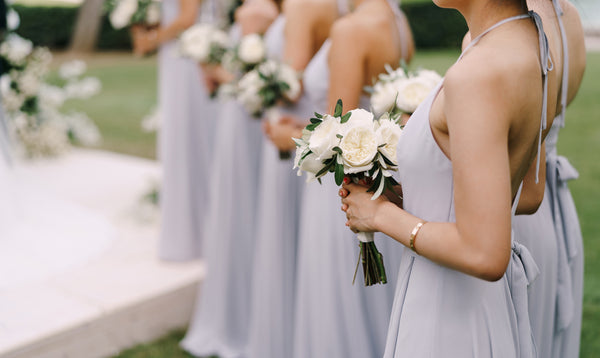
[(440, 242)]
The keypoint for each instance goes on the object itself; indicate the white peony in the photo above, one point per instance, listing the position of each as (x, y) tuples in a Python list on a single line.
[(359, 147), (72, 69), (430, 76), (29, 84), (51, 96), (288, 75), (412, 92), (16, 49), (268, 68), (153, 13), (383, 98), (82, 128), (388, 132), (324, 139), (311, 165), (123, 12), (83, 89), (248, 91), (13, 20), (195, 42), (252, 49), (358, 118)]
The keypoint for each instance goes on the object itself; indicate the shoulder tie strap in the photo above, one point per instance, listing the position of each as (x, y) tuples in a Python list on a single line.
[(547, 65), (565, 75), (500, 23)]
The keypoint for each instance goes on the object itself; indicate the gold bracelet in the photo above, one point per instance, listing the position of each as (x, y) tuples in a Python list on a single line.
[(413, 234)]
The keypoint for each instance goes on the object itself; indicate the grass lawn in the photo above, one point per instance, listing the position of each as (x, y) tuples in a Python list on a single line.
[(129, 93)]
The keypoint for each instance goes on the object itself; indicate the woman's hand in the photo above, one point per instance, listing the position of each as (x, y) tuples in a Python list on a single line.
[(360, 210), (144, 41), (281, 133), (214, 76)]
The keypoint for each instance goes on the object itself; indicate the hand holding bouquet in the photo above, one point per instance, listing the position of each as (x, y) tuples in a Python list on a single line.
[(357, 146)]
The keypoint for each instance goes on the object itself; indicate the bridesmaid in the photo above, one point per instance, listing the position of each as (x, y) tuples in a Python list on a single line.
[(303, 28), (462, 291), (553, 234), (221, 318), (333, 317), (185, 138)]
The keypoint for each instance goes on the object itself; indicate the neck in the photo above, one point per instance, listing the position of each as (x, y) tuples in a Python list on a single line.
[(481, 15)]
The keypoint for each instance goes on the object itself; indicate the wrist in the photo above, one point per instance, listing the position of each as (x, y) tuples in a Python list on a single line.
[(378, 220)]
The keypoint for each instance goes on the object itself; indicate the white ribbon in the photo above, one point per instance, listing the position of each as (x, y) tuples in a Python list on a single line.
[(365, 236)]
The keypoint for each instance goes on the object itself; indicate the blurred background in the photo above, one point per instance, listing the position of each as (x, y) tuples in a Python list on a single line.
[(124, 111)]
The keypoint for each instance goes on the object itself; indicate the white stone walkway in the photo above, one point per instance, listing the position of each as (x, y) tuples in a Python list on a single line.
[(120, 294)]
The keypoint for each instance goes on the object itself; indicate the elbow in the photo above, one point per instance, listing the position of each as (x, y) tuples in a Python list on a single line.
[(491, 267)]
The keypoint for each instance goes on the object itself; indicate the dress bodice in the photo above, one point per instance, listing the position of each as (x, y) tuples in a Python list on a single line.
[(274, 39)]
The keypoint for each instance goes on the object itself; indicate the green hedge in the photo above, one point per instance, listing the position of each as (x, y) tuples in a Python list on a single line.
[(51, 26)]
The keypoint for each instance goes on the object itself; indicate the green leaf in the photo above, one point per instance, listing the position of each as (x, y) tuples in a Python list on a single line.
[(325, 169), (338, 150), (318, 115), (345, 117), (339, 174), (315, 120), (338, 108), (311, 127), (339, 136)]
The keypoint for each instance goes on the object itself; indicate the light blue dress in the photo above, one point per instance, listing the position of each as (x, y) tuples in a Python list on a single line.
[(220, 325), (554, 238), (185, 147), (439, 312), (333, 317), (278, 210)]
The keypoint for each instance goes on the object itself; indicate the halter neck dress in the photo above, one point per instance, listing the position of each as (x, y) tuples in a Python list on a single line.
[(220, 324), (274, 270), (333, 317), (185, 142), (553, 236), (440, 312)]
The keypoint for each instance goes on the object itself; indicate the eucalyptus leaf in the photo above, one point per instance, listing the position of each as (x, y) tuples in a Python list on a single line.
[(339, 174), (345, 117), (338, 109)]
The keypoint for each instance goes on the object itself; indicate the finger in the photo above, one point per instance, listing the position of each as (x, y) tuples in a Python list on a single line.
[(344, 207)]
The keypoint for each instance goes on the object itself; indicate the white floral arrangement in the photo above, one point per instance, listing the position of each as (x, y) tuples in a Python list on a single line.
[(123, 13), (247, 54), (358, 146), (204, 43), (402, 91), (33, 106), (265, 86)]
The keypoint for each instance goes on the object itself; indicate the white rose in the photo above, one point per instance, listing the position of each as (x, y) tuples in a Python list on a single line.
[(412, 92), (268, 68), (358, 118), (83, 128), (72, 69), (324, 139), (51, 96), (121, 15), (311, 165), (249, 86), (86, 88), (153, 13), (383, 98), (29, 84), (13, 20), (290, 76), (388, 134), (16, 49), (359, 147), (430, 76), (195, 42), (252, 49)]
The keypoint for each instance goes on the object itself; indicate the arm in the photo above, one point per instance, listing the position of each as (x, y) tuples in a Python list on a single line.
[(346, 64), (148, 41), (255, 17), (478, 243)]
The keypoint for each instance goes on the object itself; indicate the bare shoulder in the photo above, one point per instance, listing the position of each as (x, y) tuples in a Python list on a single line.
[(311, 10), (503, 76)]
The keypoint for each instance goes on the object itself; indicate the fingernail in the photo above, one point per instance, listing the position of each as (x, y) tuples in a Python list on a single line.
[(346, 180), (341, 193)]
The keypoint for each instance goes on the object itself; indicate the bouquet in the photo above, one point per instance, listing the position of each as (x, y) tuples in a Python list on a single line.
[(123, 13), (33, 106), (249, 53), (269, 83), (204, 43), (357, 146), (401, 91)]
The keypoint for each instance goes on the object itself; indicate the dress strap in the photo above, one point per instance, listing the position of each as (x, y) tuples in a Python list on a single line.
[(400, 19), (547, 65), (565, 75), (516, 201), (500, 23)]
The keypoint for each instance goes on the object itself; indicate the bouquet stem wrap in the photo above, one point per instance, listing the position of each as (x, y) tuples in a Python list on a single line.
[(371, 259)]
